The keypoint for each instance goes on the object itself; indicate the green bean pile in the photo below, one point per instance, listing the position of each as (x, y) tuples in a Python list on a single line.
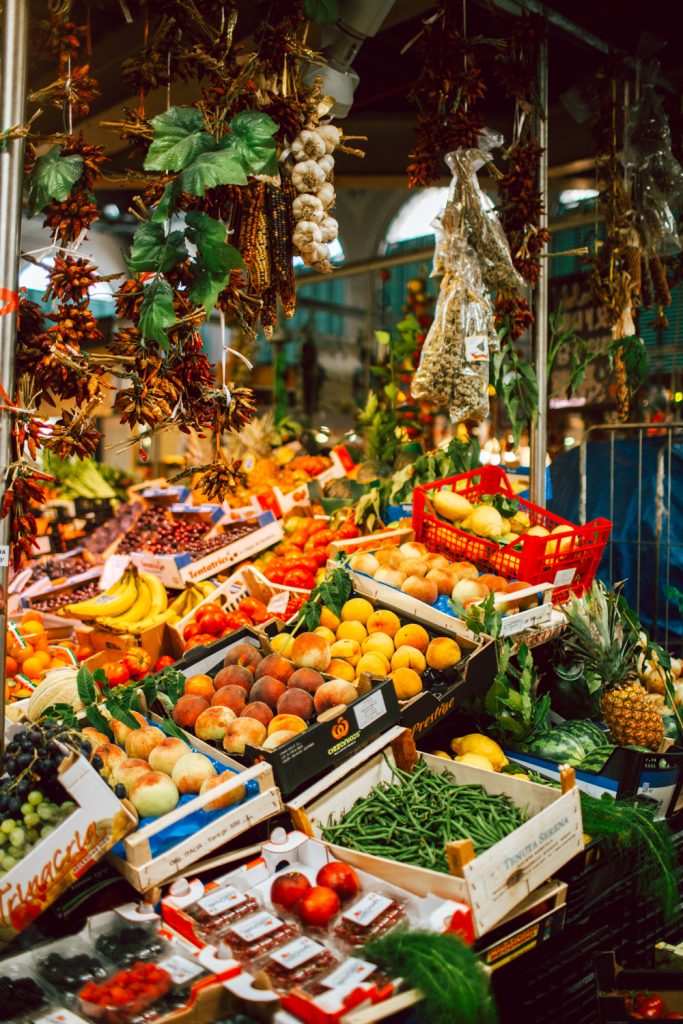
[(411, 818)]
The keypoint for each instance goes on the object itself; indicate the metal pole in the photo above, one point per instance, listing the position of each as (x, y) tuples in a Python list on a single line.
[(13, 76), (539, 430)]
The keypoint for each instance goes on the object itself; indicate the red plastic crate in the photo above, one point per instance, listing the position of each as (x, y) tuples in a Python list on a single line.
[(536, 560)]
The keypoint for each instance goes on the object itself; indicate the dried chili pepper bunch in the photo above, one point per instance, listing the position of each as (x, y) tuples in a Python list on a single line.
[(74, 86), (446, 93), (69, 218), (513, 312), (277, 43)]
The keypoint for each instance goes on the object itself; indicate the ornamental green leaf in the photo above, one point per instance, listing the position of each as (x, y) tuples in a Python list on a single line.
[(154, 250), (210, 237), (179, 138), (251, 139), (53, 177), (157, 313), (206, 288), (219, 167)]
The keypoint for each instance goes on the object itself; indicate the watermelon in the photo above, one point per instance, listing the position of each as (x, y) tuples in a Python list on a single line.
[(587, 733), (558, 746)]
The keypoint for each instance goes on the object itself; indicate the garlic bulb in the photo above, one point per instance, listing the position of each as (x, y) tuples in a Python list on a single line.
[(316, 254), (308, 207), (308, 145), (330, 135), (325, 193), (307, 232), (308, 177), (329, 229), (327, 164)]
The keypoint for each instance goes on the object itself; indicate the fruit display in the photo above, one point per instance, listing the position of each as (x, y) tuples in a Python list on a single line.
[(212, 621), (30, 654), (305, 549), (159, 533), (62, 568), (127, 994), (53, 603), (136, 602), (267, 472)]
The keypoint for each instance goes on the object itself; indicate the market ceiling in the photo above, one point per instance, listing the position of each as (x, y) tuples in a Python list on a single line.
[(382, 110)]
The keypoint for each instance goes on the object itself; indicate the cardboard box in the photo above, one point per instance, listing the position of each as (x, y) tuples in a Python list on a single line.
[(493, 883), (177, 570), (99, 821), (160, 639)]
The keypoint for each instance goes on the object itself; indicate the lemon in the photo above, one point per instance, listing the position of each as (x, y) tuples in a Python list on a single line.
[(476, 761), (476, 743), (442, 753)]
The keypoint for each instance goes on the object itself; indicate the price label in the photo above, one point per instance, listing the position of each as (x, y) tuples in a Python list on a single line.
[(180, 969), (278, 603), (4, 555), (113, 570), (60, 1016), (370, 709), (476, 348), (296, 953), (366, 910), (216, 902), (563, 577), (256, 927), (348, 974)]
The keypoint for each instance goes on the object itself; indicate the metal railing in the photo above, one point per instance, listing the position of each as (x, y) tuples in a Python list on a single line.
[(651, 541)]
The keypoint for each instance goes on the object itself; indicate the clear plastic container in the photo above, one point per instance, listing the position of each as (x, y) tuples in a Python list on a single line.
[(23, 998), (298, 963), (218, 909), (346, 976), (368, 918), (256, 935), (126, 942), (68, 966), (126, 994)]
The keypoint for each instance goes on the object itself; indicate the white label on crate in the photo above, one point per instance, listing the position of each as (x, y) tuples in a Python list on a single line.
[(296, 953), (180, 969), (348, 974), (221, 899), (563, 577), (256, 927), (4, 555), (476, 348), (369, 710), (278, 603), (114, 568), (366, 910), (59, 1016)]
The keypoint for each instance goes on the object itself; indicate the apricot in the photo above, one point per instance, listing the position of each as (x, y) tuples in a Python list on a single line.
[(325, 633), (358, 609), (201, 686), (421, 589), (258, 710), (374, 663), (443, 653), (492, 582), (341, 670), (463, 571), (311, 651), (444, 580), (233, 675), (347, 650), (351, 631), (384, 621), (412, 635), (380, 642), (389, 557), (296, 702), (246, 655), (213, 722), (233, 697), (243, 731), (293, 723), (282, 644), (141, 742), (333, 693), (407, 683), (276, 666), (328, 619), (408, 657), (306, 679), (414, 567), (268, 690)]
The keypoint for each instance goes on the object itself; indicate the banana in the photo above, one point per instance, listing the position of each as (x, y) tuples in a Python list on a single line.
[(141, 607), (109, 604), (206, 587), (159, 595), (154, 620)]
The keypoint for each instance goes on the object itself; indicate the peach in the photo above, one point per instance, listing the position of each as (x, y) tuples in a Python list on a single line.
[(163, 758), (130, 770), (412, 635), (233, 697), (188, 709), (213, 722), (243, 731), (525, 602), (268, 690), (275, 666), (413, 549), (363, 561), (190, 771), (389, 557), (341, 670), (492, 582), (347, 650), (380, 642), (306, 679), (444, 580), (351, 631), (311, 651), (246, 655), (296, 702), (421, 589), (384, 621), (414, 567), (154, 794), (407, 683), (325, 633), (120, 730), (437, 562), (357, 610), (94, 737), (329, 619), (201, 686), (464, 571), (409, 657), (443, 653), (232, 796), (293, 723), (233, 675), (467, 592), (276, 739), (282, 644), (334, 693), (259, 711), (141, 742), (112, 758), (374, 663), (392, 577)]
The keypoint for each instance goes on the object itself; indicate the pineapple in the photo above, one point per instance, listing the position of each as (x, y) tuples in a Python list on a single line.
[(606, 642)]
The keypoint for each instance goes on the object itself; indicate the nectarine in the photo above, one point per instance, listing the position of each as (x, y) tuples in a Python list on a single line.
[(188, 709)]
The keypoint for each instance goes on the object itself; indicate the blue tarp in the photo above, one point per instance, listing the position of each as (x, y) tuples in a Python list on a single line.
[(640, 560)]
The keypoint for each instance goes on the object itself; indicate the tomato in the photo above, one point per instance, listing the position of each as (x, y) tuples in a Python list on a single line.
[(235, 620), (316, 526), (210, 606), (674, 1015), (649, 1005), (275, 573), (309, 562), (348, 530), (212, 622), (340, 877), (299, 538), (302, 579), (288, 889), (117, 673), (138, 662), (164, 662), (321, 539), (318, 906), (198, 639), (82, 653), (255, 609), (191, 629)]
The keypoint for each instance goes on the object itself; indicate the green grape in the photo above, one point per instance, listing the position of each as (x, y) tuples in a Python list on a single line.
[(8, 862), (33, 835), (26, 809), (17, 837), (4, 838), (68, 806), (31, 820), (45, 811), (35, 798), (46, 830), (8, 826)]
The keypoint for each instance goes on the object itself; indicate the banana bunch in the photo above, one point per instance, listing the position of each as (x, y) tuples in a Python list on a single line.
[(188, 599), (136, 602)]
